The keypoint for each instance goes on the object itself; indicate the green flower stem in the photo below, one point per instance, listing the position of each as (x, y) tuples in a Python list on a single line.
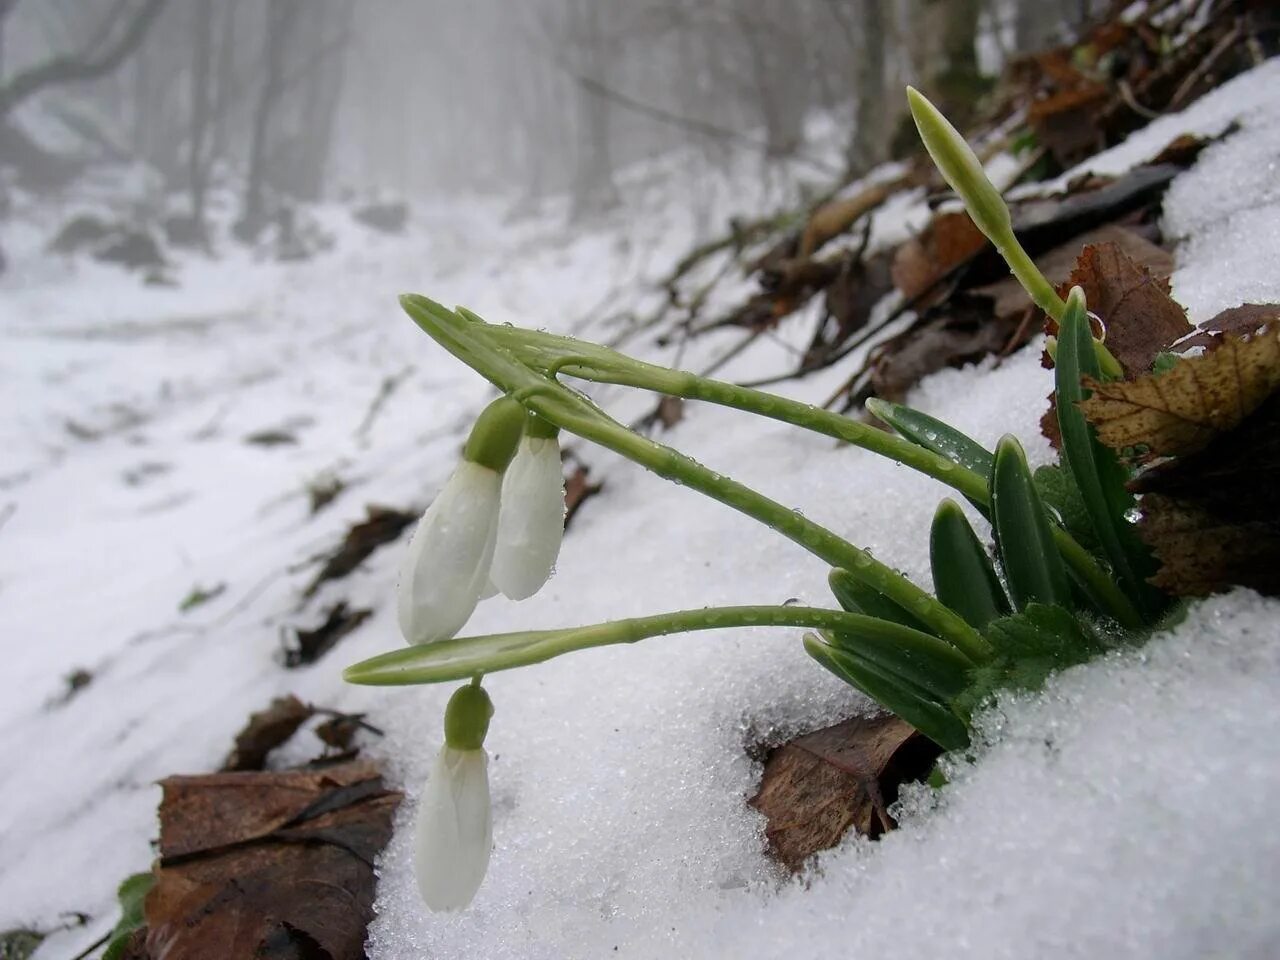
[(818, 540), (589, 362), (461, 658), (1033, 281), (472, 342)]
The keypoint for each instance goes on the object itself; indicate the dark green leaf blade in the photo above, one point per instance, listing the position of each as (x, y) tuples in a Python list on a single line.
[(931, 664), (963, 577), (932, 434), (932, 718), (1098, 473), (858, 597), (1032, 565)]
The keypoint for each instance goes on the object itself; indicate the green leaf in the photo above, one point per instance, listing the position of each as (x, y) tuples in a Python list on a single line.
[(1030, 646), (932, 718), (1032, 565), (1060, 494), (931, 664), (858, 597), (131, 894), (963, 577), (1098, 473), (925, 431)]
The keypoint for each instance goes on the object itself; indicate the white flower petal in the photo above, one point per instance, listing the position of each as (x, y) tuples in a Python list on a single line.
[(531, 523), (447, 565), (454, 829)]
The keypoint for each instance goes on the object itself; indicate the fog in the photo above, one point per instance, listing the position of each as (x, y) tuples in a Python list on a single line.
[(292, 101)]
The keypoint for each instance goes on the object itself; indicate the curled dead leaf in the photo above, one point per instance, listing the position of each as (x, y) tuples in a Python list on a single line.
[(268, 864), (818, 786), (1141, 319), (1180, 411)]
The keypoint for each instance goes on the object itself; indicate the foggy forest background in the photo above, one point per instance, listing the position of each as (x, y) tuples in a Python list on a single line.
[(283, 102)]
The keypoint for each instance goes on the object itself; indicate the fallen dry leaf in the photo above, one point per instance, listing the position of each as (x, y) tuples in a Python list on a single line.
[(1212, 517), (577, 490), (310, 645), (266, 730), (817, 786), (1201, 553), (381, 525), (1244, 320), (966, 333), (670, 411), (1141, 318), (1183, 410), (948, 241), (269, 865)]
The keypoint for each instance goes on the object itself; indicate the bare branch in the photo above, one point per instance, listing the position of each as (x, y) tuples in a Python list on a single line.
[(95, 60)]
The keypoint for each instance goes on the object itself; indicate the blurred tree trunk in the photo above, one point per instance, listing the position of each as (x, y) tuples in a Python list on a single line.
[(201, 116), (329, 36), (593, 187), (779, 72), (281, 18), (940, 37), (869, 144)]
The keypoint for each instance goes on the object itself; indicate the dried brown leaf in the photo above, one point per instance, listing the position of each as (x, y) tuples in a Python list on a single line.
[(948, 241), (311, 644), (577, 490), (1182, 410), (816, 787), (1133, 301), (1213, 517), (1243, 321), (1202, 553), (266, 730), (380, 526), (272, 865)]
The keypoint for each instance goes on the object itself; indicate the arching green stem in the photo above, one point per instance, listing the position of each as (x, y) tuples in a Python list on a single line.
[(573, 412), (464, 657), (599, 364)]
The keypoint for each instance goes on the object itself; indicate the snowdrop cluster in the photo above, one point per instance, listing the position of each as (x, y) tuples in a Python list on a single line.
[(495, 527), (931, 659)]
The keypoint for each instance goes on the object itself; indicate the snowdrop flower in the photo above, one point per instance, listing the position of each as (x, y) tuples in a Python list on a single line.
[(446, 568), (455, 822), (531, 522)]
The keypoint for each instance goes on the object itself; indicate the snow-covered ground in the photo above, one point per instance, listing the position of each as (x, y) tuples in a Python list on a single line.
[(1128, 811)]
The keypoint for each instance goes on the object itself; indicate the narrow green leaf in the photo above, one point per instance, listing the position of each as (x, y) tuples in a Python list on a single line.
[(932, 718), (1058, 490), (925, 431), (858, 597), (1032, 565), (963, 577), (1097, 471), (927, 662)]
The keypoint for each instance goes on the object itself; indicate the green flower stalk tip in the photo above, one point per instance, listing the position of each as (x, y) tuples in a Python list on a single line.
[(963, 171), (959, 165)]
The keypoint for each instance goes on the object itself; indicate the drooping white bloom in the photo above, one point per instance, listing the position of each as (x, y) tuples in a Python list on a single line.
[(531, 523), (447, 564), (454, 829)]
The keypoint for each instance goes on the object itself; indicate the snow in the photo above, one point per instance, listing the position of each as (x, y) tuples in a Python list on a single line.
[(1127, 811)]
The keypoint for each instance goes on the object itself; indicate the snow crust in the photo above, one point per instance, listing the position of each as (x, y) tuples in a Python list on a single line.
[(1128, 811)]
